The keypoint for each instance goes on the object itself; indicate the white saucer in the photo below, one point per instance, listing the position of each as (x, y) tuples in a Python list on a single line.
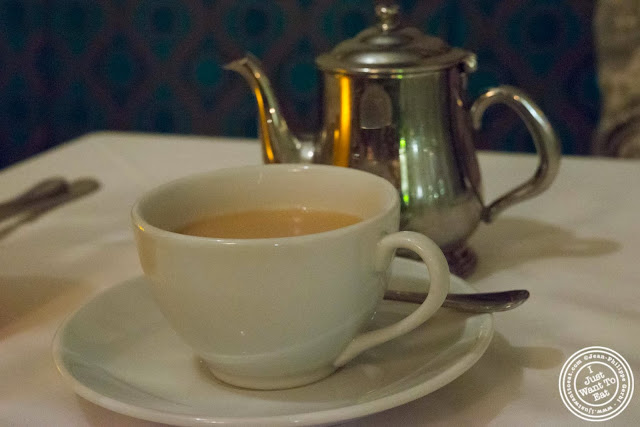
[(118, 351)]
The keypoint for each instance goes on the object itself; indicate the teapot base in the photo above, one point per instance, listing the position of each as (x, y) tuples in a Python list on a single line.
[(462, 259)]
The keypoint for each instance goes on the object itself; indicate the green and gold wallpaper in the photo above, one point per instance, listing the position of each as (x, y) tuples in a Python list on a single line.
[(68, 67)]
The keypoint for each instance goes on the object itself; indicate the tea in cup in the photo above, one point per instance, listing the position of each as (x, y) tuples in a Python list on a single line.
[(271, 272)]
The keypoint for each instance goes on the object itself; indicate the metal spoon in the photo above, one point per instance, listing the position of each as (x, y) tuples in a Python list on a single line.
[(486, 302)]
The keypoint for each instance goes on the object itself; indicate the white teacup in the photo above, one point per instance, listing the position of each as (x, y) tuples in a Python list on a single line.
[(275, 313)]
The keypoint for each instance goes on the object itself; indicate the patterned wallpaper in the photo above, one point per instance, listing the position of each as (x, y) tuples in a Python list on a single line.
[(68, 67)]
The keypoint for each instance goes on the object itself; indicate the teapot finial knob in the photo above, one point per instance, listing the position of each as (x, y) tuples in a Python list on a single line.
[(388, 15)]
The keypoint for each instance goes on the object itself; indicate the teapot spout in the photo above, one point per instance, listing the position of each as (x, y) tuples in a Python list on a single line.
[(279, 144)]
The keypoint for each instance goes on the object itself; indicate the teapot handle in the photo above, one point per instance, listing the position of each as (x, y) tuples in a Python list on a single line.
[(544, 138)]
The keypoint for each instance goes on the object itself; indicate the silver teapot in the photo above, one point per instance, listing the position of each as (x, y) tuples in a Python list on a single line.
[(395, 105)]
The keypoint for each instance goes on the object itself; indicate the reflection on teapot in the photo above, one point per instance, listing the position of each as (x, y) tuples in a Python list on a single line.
[(395, 105)]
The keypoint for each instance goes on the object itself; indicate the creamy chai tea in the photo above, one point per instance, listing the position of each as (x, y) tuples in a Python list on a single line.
[(262, 224)]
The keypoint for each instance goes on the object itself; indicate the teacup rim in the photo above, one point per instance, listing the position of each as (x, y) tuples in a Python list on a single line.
[(144, 226)]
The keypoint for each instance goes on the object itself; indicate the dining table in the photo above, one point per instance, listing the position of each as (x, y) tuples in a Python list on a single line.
[(575, 248)]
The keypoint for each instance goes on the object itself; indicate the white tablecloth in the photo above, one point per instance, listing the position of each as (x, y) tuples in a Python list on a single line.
[(576, 248)]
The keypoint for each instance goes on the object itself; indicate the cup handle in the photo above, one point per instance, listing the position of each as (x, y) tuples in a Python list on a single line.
[(544, 138), (439, 273)]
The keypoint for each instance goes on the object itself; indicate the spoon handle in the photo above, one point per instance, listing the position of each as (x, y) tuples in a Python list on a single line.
[(486, 302)]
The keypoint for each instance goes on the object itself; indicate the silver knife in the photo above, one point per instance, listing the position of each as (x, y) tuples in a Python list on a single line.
[(33, 209)]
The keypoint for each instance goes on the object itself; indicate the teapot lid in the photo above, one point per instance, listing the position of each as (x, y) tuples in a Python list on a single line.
[(389, 49)]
